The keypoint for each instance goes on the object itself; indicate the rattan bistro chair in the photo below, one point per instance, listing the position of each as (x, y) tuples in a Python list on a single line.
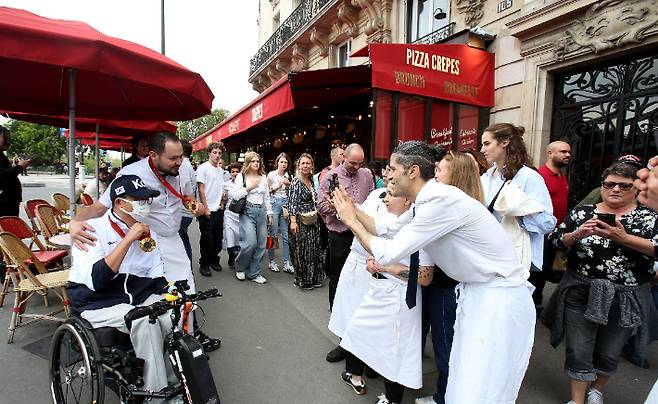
[(47, 219), (50, 258), (62, 202), (28, 283), (86, 199), (30, 207)]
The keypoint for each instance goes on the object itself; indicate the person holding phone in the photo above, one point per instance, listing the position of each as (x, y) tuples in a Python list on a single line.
[(604, 296)]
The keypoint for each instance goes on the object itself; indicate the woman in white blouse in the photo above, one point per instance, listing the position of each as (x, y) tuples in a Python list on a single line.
[(257, 216)]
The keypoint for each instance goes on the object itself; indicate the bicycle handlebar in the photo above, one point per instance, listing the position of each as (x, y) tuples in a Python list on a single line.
[(160, 307)]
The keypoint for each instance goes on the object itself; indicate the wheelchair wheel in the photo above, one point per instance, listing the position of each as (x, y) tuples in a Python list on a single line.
[(76, 367)]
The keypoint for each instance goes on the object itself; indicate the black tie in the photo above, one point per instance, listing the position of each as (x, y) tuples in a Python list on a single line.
[(413, 278)]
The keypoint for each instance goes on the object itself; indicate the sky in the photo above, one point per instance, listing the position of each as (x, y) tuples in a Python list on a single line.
[(215, 38)]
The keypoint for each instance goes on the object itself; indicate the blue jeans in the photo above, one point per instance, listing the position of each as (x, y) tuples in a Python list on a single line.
[(439, 309), (253, 237), (279, 225), (182, 231)]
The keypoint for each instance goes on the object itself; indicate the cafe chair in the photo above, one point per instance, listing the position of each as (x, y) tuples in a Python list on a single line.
[(30, 207), (50, 258), (62, 202), (29, 283), (86, 199), (48, 223)]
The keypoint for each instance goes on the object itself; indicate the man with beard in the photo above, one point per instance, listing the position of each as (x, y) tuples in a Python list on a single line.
[(159, 171), (558, 154)]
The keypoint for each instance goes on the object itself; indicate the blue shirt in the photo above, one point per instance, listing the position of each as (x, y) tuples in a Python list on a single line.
[(536, 224)]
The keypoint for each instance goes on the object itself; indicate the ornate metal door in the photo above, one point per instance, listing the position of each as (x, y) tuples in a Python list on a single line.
[(604, 112)]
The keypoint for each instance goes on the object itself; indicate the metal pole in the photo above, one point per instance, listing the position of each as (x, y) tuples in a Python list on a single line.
[(97, 163), (123, 157), (162, 26), (72, 141)]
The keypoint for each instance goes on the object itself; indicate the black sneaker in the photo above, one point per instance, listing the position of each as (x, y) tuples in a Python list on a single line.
[(231, 261), (209, 344), (216, 267), (358, 387), (205, 270), (336, 355)]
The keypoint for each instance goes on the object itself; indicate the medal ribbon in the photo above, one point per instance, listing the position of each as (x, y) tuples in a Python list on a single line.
[(121, 232), (165, 182)]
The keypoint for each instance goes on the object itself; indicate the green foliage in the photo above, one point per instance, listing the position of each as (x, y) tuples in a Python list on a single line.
[(191, 129), (42, 143)]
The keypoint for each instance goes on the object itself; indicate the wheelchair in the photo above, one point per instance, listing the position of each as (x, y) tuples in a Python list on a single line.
[(84, 360)]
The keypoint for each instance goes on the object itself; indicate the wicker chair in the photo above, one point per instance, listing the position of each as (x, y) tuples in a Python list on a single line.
[(30, 207), (62, 202), (50, 258), (27, 283), (86, 199), (47, 219)]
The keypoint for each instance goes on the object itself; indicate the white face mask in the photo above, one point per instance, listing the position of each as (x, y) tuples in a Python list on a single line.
[(141, 209)]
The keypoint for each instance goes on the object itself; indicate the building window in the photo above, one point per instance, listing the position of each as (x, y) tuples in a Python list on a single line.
[(276, 21), (419, 19), (343, 54)]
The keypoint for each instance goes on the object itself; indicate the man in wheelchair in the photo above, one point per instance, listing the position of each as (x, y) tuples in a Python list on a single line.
[(121, 271)]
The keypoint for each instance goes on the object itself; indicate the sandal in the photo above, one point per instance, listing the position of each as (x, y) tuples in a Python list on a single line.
[(209, 344)]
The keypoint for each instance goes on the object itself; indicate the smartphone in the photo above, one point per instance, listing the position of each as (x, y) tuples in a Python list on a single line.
[(607, 218), (333, 182)]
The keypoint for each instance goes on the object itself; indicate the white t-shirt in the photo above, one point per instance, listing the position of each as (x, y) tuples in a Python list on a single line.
[(274, 179), (213, 180), (166, 209), (187, 182), (259, 195)]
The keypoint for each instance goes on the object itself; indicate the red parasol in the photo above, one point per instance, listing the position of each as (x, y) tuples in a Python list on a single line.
[(56, 67)]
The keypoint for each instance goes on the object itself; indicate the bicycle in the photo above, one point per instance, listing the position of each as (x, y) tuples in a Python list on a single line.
[(84, 359)]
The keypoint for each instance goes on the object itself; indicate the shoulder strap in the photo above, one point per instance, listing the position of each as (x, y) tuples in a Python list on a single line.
[(493, 201)]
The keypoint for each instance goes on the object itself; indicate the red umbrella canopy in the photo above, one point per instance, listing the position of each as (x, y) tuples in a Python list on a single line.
[(101, 136), (108, 144), (115, 79), (116, 127)]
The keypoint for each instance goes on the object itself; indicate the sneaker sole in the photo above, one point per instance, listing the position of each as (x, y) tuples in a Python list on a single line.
[(358, 393)]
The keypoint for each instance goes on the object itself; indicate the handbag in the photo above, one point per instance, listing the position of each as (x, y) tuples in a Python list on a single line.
[(238, 205), (272, 243), (309, 218)]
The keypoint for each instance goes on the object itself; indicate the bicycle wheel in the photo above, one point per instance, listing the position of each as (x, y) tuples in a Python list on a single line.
[(76, 368)]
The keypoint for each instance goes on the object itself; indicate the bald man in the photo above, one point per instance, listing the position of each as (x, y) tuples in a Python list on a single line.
[(558, 154)]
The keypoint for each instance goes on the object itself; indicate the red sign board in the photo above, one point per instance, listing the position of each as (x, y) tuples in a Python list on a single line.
[(450, 72)]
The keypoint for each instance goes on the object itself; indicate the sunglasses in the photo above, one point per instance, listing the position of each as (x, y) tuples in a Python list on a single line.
[(624, 186)]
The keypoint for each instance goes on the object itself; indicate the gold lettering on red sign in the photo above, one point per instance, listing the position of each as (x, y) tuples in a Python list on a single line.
[(460, 89), (409, 79), (234, 126)]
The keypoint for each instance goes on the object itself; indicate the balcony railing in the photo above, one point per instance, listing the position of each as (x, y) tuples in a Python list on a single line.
[(300, 18), (436, 36)]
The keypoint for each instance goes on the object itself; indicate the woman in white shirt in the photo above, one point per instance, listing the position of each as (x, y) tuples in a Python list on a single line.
[(231, 220), (503, 147), (279, 183), (257, 215)]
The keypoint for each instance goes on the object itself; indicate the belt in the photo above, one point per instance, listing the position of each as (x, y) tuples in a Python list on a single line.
[(377, 275), (258, 205)]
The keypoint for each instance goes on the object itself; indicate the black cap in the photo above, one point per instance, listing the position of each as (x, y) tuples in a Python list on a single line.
[(131, 185), (631, 159)]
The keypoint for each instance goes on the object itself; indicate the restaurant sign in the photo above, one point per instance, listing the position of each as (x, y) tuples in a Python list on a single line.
[(450, 72)]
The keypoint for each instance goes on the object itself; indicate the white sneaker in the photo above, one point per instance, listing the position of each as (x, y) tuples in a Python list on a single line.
[(425, 400), (240, 276), (260, 279), (288, 268), (274, 267), (383, 400), (594, 396)]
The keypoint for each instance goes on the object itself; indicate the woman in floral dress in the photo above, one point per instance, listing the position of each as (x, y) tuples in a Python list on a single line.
[(305, 250), (604, 296)]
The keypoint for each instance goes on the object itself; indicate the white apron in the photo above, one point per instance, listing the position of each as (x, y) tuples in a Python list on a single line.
[(352, 286), (386, 335), (177, 266), (231, 229), (494, 334)]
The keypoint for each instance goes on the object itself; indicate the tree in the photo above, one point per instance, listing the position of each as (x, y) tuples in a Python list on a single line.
[(191, 129), (43, 144)]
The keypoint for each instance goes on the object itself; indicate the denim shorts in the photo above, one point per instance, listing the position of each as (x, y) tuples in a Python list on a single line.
[(591, 348)]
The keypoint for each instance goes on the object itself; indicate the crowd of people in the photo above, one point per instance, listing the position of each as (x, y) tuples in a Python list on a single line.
[(456, 243)]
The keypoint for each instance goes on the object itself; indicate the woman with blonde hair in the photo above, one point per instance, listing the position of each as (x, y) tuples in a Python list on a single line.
[(461, 170), (257, 216), (306, 252)]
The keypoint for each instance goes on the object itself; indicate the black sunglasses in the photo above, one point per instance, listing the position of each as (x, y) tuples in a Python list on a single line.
[(624, 186)]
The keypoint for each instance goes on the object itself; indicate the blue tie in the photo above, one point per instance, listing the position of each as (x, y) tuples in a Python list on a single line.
[(413, 278)]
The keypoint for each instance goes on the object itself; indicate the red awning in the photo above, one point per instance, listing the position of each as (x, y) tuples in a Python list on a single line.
[(457, 73), (104, 125), (116, 145), (308, 89)]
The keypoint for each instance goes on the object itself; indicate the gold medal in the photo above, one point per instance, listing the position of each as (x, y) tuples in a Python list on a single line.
[(190, 204), (147, 244)]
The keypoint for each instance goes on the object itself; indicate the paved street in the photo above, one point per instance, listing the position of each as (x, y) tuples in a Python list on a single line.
[(274, 342)]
